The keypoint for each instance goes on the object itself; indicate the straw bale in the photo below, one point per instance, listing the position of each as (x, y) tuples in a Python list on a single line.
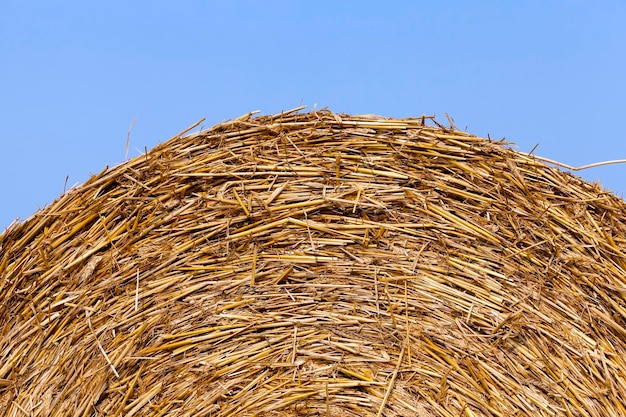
[(318, 264)]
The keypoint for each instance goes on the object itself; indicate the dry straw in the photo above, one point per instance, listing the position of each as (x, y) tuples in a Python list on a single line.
[(318, 264)]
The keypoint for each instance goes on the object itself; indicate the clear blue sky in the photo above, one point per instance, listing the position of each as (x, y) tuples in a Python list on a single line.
[(74, 75)]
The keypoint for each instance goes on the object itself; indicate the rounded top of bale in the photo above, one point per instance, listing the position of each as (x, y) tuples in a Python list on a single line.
[(323, 265)]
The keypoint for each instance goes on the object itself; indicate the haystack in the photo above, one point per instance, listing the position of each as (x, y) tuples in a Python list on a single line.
[(318, 264)]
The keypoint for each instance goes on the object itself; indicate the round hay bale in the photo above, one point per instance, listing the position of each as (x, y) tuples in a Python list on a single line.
[(320, 265)]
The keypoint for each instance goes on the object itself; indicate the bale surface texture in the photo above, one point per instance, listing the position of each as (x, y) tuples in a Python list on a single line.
[(318, 264)]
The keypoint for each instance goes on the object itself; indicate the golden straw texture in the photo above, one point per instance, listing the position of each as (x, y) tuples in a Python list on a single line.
[(318, 264)]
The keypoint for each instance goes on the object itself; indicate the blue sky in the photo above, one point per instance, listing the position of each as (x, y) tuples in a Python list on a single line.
[(75, 75)]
